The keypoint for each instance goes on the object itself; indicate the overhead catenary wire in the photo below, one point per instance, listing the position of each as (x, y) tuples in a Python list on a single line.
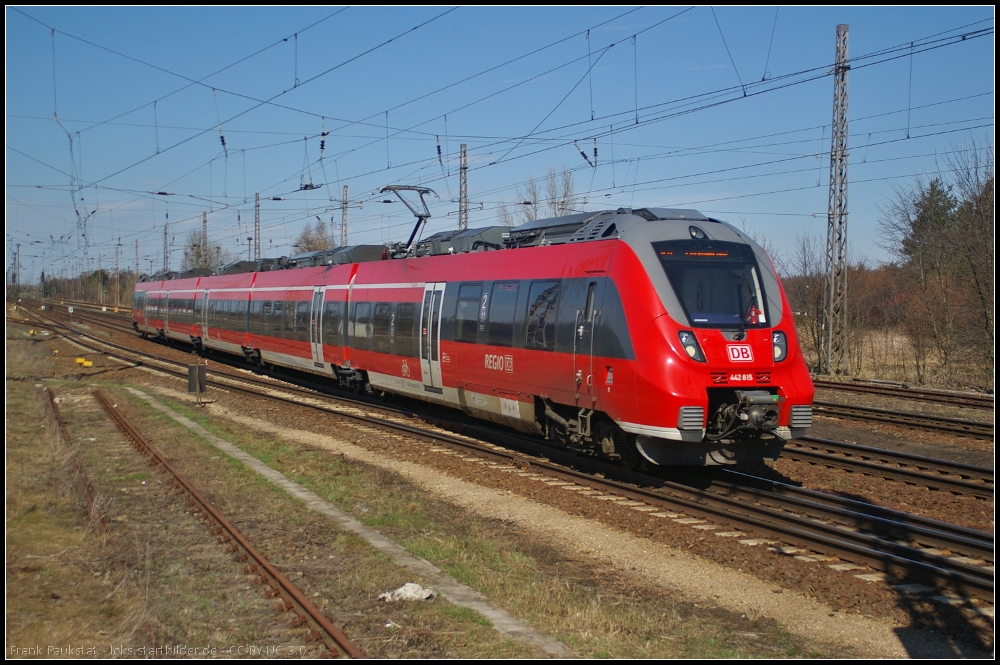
[(276, 96), (191, 81), (770, 43), (610, 129), (735, 68)]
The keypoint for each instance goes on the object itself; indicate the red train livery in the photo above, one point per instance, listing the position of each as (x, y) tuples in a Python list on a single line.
[(654, 334)]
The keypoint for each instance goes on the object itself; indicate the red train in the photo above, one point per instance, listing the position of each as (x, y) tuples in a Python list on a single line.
[(651, 334)]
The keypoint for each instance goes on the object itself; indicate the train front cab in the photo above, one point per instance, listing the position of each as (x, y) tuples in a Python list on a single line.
[(720, 377)]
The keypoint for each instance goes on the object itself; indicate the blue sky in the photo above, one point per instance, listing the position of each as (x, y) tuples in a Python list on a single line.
[(727, 112)]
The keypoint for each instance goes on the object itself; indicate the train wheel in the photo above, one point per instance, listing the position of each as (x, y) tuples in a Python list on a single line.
[(629, 454), (617, 444)]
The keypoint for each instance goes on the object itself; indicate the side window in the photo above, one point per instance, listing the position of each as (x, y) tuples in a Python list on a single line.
[(278, 319), (611, 334), (362, 324), (333, 323), (467, 312), (404, 329), (266, 326), (289, 323), (255, 309), (540, 331), (302, 320), (381, 324), (241, 314), (501, 317)]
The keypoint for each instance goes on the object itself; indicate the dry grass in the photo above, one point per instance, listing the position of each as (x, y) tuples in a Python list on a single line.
[(64, 598), (888, 355)]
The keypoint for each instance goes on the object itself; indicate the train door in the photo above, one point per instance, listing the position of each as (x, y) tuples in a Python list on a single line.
[(583, 348), (139, 308), (166, 312), (203, 319), (316, 326), (430, 337)]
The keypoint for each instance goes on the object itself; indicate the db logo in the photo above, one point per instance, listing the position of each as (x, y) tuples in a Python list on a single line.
[(740, 353), (500, 363)]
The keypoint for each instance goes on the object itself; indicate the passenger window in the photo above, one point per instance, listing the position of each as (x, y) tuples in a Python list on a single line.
[(362, 322), (501, 318), (255, 308), (404, 329), (381, 324), (540, 331), (265, 317), (333, 332), (302, 320), (277, 319), (289, 324), (467, 312)]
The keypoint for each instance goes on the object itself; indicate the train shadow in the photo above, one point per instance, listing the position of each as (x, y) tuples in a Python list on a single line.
[(937, 630), (941, 618), (935, 579)]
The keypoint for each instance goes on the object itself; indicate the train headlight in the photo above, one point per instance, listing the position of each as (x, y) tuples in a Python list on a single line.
[(690, 344), (780, 345)]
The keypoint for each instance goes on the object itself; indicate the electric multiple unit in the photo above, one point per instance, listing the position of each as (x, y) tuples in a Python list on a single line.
[(654, 334)]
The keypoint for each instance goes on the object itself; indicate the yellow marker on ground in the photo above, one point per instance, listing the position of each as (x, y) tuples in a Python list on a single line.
[(80, 361), (88, 363)]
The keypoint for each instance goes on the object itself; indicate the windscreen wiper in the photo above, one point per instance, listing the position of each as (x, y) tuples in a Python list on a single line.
[(741, 332)]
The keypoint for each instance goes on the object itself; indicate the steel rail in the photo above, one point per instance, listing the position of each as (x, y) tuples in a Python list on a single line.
[(906, 418), (853, 514), (837, 454), (293, 596), (966, 400), (978, 544)]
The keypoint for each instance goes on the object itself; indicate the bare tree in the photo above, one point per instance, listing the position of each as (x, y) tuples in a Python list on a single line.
[(804, 286), (529, 200), (504, 215), (200, 254), (972, 242), (561, 197), (311, 240), (916, 222)]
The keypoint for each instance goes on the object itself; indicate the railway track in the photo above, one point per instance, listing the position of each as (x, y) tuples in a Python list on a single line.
[(894, 544), (970, 428), (319, 626), (955, 477), (964, 400)]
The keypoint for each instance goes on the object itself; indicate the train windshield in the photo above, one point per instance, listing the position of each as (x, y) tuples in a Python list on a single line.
[(718, 283)]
